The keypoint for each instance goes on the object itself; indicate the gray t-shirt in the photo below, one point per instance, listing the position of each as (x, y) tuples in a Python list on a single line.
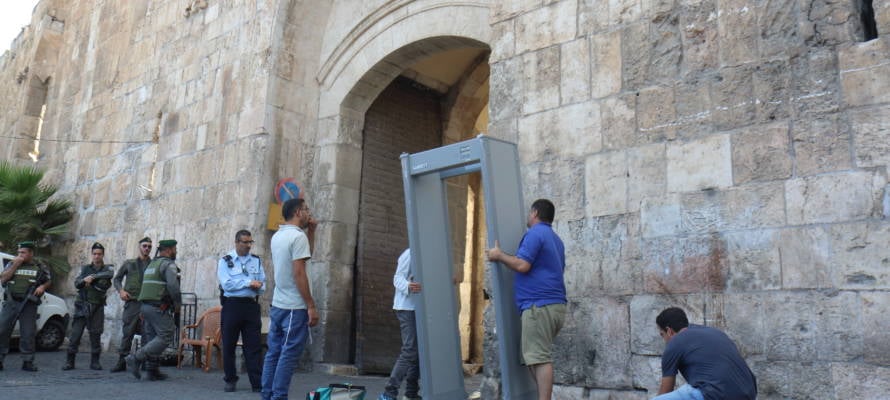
[(710, 362), (288, 244)]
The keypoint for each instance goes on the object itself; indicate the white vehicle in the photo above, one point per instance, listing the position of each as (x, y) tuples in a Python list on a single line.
[(52, 318)]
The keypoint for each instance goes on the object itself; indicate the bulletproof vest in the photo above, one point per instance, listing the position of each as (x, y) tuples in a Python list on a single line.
[(24, 277), (154, 285), (95, 293), (134, 278)]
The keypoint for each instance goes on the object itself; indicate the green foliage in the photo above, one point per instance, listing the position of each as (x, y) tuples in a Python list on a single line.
[(28, 212)]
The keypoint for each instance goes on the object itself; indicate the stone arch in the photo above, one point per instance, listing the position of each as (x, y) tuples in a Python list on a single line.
[(349, 84)]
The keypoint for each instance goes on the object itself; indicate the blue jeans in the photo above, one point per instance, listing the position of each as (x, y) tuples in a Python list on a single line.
[(684, 392), (288, 330), (407, 365)]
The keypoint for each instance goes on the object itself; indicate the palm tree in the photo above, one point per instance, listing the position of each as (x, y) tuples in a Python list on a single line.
[(27, 212)]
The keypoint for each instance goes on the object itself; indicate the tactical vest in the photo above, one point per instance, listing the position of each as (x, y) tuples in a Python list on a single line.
[(154, 285), (95, 293), (24, 277), (134, 278)]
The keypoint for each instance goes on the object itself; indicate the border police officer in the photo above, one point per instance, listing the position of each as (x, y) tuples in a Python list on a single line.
[(160, 297), (89, 308), (25, 282), (132, 270)]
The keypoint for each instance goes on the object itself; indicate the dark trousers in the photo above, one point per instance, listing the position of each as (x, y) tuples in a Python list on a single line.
[(93, 319), (27, 328), (132, 324), (241, 316), (408, 364)]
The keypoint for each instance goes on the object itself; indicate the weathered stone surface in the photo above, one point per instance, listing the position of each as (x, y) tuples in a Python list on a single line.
[(829, 198), (876, 327), (558, 17), (755, 206), (667, 51), (563, 180), (540, 88), (805, 258), (571, 131), (761, 153), (507, 104), (699, 164), (605, 62), (567, 392), (646, 176), (660, 216), (593, 16), (635, 53), (656, 114), (618, 124), (575, 62), (783, 380), (815, 87), (732, 95), (829, 23), (860, 381), (858, 255), (601, 255), (606, 183), (599, 326), (687, 265), (778, 28), (699, 35), (597, 394), (870, 129), (820, 146), (504, 44), (812, 326), (772, 91), (754, 261), (737, 27)]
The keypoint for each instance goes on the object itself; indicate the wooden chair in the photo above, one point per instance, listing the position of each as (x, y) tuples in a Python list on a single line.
[(204, 336)]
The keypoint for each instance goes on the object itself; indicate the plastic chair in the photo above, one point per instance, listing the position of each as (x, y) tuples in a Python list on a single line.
[(204, 335)]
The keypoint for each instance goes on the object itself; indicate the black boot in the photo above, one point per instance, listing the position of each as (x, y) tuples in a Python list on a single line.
[(155, 374), (94, 362), (134, 364), (69, 364), (29, 366), (121, 365)]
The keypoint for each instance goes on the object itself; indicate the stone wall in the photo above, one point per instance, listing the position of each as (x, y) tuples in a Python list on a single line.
[(727, 156)]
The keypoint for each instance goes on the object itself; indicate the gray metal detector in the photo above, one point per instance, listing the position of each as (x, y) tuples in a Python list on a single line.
[(429, 236)]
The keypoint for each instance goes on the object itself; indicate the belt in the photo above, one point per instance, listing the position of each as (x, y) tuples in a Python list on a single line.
[(154, 303), (241, 299)]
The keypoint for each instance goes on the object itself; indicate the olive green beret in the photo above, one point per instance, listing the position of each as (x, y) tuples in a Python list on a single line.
[(27, 245), (167, 243)]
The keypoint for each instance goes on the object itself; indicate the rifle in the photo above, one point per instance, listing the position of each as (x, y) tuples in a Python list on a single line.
[(29, 294)]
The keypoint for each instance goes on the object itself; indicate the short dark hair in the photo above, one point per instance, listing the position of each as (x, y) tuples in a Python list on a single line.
[(290, 207), (546, 210), (672, 317), (242, 233)]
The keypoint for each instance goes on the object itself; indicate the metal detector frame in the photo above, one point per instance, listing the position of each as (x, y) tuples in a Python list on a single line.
[(429, 237)]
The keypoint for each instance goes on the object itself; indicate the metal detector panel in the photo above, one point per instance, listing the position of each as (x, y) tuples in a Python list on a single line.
[(429, 236)]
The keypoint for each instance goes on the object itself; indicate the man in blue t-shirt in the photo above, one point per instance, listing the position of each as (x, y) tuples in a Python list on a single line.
[(540, 291), (707, 358)]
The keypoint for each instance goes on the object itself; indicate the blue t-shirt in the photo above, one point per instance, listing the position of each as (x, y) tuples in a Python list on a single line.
[(543, 284), (710, 362)]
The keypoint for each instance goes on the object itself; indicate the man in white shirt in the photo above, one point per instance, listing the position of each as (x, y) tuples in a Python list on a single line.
[(407, 366), (293, 308)]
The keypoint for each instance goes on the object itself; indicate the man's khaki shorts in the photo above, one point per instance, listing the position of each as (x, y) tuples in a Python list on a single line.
[(539, 327)]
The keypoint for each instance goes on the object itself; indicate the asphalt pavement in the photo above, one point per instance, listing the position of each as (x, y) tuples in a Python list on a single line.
[(187, 383)]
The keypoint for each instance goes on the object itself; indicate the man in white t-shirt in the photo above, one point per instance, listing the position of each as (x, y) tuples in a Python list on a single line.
[(293, 308)]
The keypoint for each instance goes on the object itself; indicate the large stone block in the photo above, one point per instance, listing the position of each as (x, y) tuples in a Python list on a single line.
[(737, 32), (505, 9), (567, 392), (564, 133), (594, 350), (656, 114), (618, 124), (593, 16), (692, 100), (772, 91), (660, 216), (635, 52), (754, 261), (876, 327), (820, 146), (860, 381), (814, 89), (646, 176), (700, 164), (829, 198), (506, 89), (858, 255), (752, 206), (601, 255), (503, 44), (699, 34), (646, 374), (805, 256), (667, 49), (564, 182), (812, 326), (684, 265), (546, 26), (575, 61), (761, 153), (732, 95), (779, 27), (871, 136), (339, 164), (540, 80), (606, 183), (798, 380), (605, 63)]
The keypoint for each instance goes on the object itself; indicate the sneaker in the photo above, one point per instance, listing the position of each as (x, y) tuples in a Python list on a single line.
[(384, 396)]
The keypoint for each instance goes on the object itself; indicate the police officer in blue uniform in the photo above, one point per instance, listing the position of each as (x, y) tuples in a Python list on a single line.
[(242, 280)]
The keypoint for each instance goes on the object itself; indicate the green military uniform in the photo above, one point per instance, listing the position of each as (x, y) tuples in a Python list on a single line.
[(21, 305), (132, 270), (160, 297), (89, 311)]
